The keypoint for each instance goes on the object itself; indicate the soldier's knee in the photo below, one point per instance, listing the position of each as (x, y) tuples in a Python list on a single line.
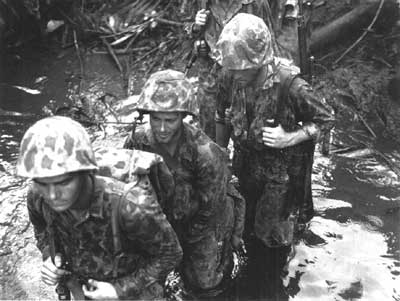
[(205, 280), (201, 266)]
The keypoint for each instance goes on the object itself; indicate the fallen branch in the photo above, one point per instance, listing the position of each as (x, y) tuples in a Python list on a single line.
[(111, 52), (123, 51), (343, 150), (363, 35), (356, 114), (169, 22), (381, 60), (78, 53), (129, 44), (395, 36), (352, 24), (385, 158), (150, 68), (145, 55), (366, 125)]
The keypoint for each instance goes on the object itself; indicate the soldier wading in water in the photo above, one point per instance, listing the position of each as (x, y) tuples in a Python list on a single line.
[(206, 212), (270, 113), (77, 214)]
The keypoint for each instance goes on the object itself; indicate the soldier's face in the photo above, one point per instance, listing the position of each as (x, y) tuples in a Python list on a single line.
[(244, 77), (166, 126), (59, 192)]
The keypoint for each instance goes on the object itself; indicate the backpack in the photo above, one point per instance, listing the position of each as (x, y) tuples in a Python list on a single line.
[(131, 166)]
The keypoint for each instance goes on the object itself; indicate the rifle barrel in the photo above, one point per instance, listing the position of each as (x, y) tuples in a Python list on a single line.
[(305, 67)]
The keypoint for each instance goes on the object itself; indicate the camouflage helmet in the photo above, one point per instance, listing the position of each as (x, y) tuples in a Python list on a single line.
[(244, 43), (55, 146), (168, 91)]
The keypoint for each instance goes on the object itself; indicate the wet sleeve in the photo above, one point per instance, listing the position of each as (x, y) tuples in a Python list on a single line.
[(239, 210), (146, 227), (39, 224), (315, 114), (210, 185)]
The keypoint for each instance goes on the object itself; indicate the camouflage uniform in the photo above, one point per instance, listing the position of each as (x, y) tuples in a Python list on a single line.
[(271, 180), (147, 248), (200, 211), (208, 71), (150, 249)]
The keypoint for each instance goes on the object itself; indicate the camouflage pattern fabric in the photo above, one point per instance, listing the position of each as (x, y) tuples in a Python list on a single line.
[(131, 166), (168, 91), (55, 146), (123, 164), (200, 211), (150, 248), (220, 16), (239, 207), (209, 72), (270, 179), (245, 43)]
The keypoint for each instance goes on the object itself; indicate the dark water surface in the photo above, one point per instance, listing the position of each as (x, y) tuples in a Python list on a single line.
[(351, 250)]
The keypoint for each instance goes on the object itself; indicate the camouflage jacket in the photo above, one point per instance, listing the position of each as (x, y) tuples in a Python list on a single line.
[(219, 17), (150, 249), (199, 167), (250, 107), (258, 166)]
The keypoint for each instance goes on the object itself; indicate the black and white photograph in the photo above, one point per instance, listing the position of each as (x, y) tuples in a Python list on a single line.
[(219, 150)]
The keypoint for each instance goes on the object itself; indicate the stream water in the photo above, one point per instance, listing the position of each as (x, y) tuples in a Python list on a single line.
[(351, 250)]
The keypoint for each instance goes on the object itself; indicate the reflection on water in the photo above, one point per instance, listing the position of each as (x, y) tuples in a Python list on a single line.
[(359, 259), (350, 265)]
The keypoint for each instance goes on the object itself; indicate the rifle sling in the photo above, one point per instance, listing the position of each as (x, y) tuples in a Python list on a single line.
[(116, 233)]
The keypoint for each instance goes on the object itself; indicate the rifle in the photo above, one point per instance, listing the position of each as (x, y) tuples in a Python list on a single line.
[(200, 48), (67, 285), (62, 290), (305, 60), (306, 64), (192, 59)]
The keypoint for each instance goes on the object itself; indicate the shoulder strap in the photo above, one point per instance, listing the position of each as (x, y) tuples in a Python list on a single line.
[(50, 228), (115, 205)]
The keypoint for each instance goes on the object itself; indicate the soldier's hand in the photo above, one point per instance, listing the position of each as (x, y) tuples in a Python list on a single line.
[(51, 272), (201, 18), (99, 290), (275, 137)]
